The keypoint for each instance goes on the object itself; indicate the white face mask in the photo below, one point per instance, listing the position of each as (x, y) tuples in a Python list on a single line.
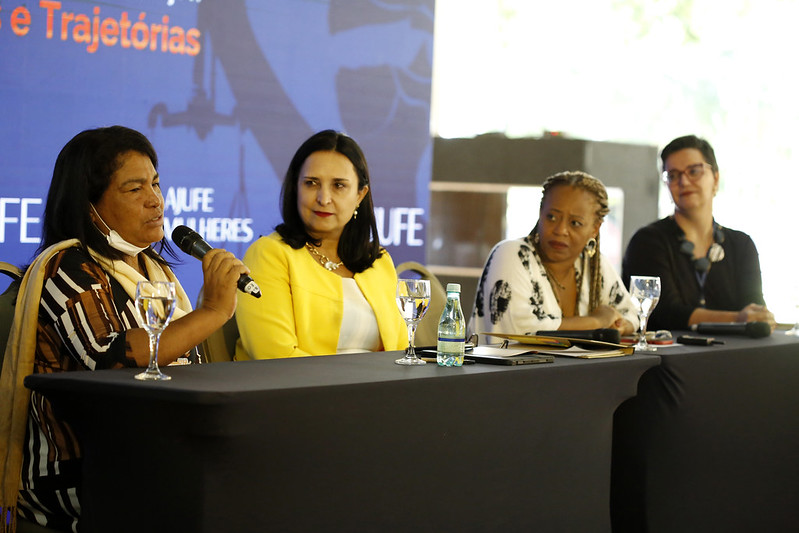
[(116, 241)]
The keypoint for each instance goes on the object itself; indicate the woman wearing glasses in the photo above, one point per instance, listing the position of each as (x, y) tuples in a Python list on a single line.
[(708, 273)]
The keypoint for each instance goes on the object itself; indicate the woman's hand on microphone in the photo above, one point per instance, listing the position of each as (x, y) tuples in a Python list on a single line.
[(221, 272), (757, 313), (607, 316), (624, 326)]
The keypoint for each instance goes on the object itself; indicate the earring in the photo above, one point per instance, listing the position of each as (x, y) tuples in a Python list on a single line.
[(355, 213), (536, 238), (590, 247)]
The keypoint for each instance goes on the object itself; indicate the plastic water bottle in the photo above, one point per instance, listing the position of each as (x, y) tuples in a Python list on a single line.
[(451, 329)]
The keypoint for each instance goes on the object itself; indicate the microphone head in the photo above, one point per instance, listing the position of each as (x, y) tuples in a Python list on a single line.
[(190, 241), (757, 330), (180, 233)]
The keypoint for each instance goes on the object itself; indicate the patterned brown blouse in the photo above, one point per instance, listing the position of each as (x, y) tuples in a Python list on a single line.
[(83, 317)]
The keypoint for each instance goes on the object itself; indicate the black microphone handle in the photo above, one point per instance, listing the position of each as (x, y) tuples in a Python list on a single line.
[(193, 244), (754, 330), (199, 248), (599, 334)]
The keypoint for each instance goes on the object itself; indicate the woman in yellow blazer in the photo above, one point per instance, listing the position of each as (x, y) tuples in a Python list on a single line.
[(328, 285)]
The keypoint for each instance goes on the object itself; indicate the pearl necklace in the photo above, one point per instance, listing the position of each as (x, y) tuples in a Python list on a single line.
[(323, 259)]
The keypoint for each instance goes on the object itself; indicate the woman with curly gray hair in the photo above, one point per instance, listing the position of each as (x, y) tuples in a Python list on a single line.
[(555, 277)]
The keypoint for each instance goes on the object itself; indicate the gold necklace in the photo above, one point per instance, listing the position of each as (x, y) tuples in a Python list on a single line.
[(551, 277), (323, 259)]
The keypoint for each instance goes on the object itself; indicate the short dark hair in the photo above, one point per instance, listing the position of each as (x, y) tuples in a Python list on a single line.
[(359, 245), (81, 175), (690, 141)]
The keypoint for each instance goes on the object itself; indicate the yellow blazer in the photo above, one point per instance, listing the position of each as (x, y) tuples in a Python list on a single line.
[(302, 306)]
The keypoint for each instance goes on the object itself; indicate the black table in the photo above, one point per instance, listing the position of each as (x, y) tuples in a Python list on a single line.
[(711, 441), (348, 443)]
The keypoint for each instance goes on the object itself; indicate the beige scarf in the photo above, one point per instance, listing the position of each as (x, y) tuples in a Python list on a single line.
[(19, 359), (128, 277)]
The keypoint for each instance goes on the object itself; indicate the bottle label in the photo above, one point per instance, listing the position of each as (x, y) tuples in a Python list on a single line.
[(451, 346)]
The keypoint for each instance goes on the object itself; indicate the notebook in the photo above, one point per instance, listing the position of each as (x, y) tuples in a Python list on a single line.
[(496, 355), (522, 359), (564, 346)]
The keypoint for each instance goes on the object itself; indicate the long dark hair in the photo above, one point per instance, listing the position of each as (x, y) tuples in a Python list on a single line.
[(81, 175), (359, 245)]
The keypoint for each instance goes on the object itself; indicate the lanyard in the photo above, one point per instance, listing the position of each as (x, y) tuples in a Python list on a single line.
[(702, 265), (701, 277)]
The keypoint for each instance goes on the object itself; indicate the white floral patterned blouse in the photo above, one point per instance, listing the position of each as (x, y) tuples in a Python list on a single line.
[(514, 294)]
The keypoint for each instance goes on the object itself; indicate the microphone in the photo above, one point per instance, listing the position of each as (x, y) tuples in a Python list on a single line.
[(601, 334), (755, 330), (193, 244)]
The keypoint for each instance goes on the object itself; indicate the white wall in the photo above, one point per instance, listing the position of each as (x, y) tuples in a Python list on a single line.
[(642, 72)]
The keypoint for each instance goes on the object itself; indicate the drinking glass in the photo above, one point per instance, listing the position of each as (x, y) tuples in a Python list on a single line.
[(795, 329), (155, 302), (645, 293), (413, 299)]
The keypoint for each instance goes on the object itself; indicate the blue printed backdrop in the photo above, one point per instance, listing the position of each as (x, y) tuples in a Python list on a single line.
[(226, 91)]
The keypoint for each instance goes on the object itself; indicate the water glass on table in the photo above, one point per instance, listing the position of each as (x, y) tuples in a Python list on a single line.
[(794, 331), (645, 293), (413, 299), (155, 303)]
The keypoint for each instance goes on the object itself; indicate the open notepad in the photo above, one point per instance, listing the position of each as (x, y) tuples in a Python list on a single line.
[(496, 355), (561, 346)]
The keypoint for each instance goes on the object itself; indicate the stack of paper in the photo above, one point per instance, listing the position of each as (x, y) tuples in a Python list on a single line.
[(563, 346)]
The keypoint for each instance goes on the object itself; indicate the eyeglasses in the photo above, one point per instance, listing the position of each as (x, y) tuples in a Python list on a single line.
[(694, 173)]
